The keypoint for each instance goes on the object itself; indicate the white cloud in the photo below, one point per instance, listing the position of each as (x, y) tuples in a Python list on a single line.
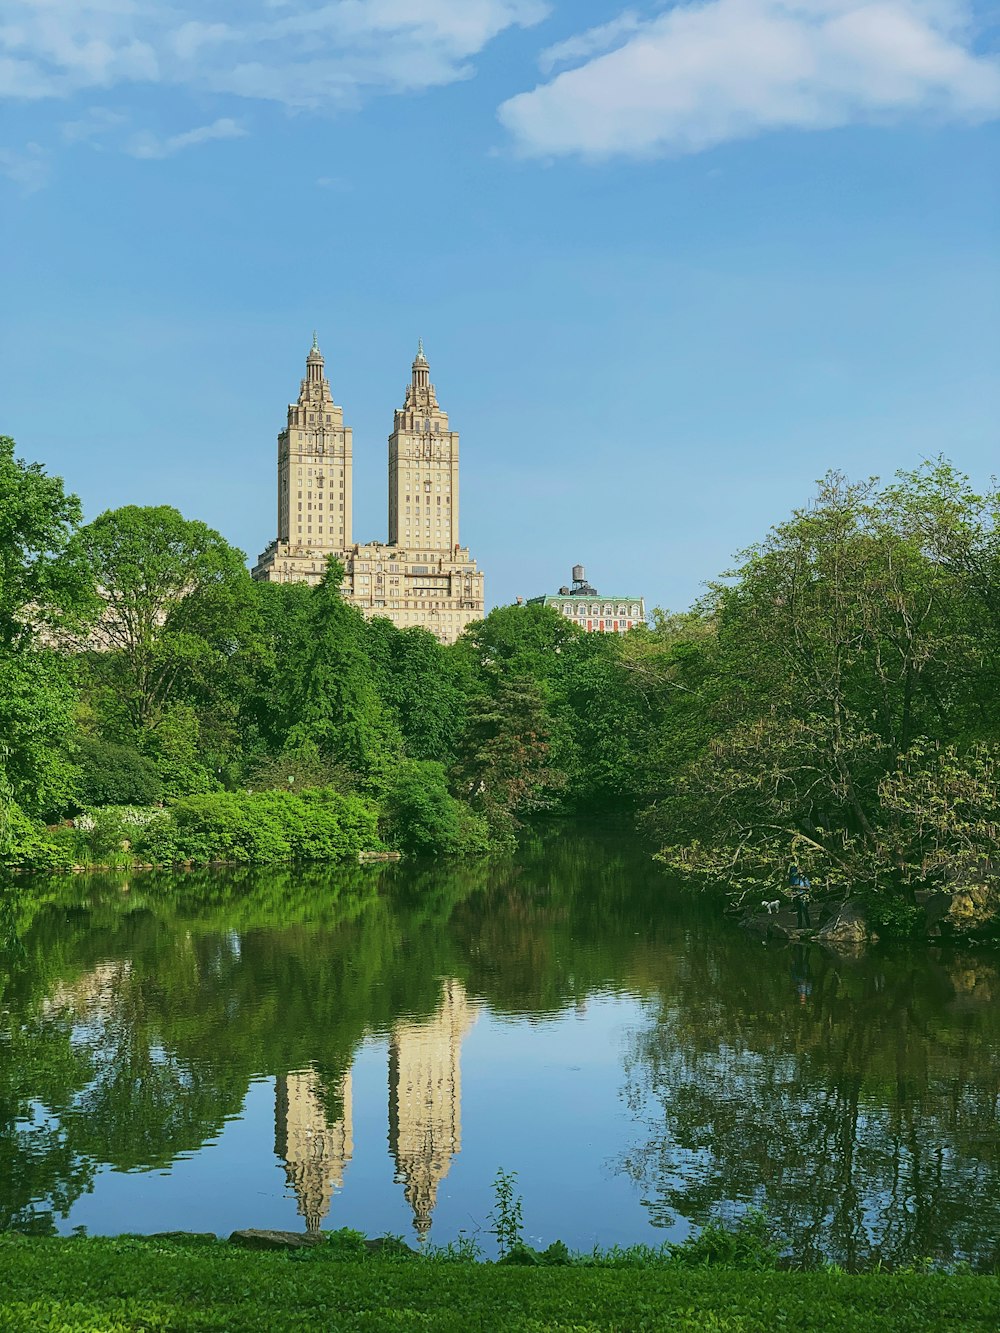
[(300, 52), (148, 145), (590, 43), (27, 168), (702, 74), (92, 126)]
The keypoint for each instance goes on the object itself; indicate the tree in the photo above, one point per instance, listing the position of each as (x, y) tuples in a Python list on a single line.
[(420, 683), (424, 819), (848, 647), (44, 585), (38, 699), (179, 608), (520, 641), (504, 766), (44, 591), (331, 701)]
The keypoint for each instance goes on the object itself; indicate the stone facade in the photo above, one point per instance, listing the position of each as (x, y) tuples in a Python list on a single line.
[(595, 612), (422, 575)]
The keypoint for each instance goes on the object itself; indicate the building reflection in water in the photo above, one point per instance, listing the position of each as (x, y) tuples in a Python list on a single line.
[(425, 1115), (425, 1099), (315, 1149)]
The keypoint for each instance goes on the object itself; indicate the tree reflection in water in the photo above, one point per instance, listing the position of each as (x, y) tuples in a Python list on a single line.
[(857, 1099)]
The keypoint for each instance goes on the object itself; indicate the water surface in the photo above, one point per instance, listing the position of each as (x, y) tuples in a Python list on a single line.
[(323, 1047)]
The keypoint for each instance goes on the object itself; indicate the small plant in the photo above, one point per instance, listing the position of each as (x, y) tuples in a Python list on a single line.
[(346, 1243), (463, 1250), (507, 1219), (748, 1245)]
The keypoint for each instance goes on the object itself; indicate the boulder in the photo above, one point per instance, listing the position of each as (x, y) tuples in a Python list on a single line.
[(972, 909), (274, 1240), (186, 1237), (389, 1245), (847, 926)]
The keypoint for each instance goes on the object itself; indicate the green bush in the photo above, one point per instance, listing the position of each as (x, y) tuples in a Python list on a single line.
[(894, 919), (422, 818), (748, 1244), (116, 775), (31, 846), (260, 828)]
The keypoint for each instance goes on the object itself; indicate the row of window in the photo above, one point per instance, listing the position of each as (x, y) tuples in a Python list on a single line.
[(609, 609)]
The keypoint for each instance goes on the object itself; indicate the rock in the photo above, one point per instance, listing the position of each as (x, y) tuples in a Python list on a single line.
[(973, 909), (848, 926), (274, 1240), (184, 1237), (389, 1245)]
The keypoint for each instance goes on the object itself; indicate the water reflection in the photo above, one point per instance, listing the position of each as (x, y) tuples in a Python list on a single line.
[(314, 1133), (667, 1070), (314, 1147), (425, 1099)]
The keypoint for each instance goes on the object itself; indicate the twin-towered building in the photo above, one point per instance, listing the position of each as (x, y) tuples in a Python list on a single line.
[(422, 575)]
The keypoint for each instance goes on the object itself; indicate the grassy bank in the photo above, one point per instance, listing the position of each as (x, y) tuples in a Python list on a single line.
[(112, 1285)]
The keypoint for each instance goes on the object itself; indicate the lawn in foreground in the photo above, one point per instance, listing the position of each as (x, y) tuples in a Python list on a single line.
[(97, 1285)]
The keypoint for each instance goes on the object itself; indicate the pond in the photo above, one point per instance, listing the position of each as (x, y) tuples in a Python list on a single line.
[(316, 1047)]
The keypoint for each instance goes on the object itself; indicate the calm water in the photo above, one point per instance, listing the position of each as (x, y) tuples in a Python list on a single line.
[(365, 1047)]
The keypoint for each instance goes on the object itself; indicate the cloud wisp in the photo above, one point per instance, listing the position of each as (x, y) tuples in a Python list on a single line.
[(297, 52), (27, 167), (149, 145), (705, 74)]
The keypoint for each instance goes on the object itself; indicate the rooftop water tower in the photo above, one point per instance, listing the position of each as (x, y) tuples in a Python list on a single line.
[(580, 585)]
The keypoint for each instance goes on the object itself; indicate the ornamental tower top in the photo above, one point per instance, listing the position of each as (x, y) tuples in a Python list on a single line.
[(423, 468)]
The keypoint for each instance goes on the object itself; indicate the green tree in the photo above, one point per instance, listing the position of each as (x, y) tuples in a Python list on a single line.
[(45, 593), (331, 701), (424, 819), (179, 608), (846, 645), (422, 686), (44, 585), (520, 641), (504, 767)]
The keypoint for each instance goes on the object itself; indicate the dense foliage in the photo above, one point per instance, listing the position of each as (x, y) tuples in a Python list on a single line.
[(850, 695), (833, 701)]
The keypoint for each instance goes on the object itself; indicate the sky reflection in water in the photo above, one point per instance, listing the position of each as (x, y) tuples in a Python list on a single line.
[(330, 1047)]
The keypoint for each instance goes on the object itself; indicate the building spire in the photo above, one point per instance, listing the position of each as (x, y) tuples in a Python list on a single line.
[(314, 363), (421, 370)]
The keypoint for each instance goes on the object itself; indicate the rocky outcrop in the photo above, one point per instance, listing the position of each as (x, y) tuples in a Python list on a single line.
[(969, 911), (275, 1240)]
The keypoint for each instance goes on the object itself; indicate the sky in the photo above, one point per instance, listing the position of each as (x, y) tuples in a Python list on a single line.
[(670, 263)]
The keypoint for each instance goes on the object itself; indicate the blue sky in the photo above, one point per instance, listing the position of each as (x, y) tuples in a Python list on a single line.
[(670, 263)]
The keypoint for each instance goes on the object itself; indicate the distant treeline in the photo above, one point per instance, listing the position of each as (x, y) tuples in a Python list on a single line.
[(834, 700)]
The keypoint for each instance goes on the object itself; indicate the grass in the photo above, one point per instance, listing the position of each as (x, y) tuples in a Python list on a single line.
[(122, 1285)]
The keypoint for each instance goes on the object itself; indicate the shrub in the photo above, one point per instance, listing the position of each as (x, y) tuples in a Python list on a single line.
[(424, 819), (748, 1244), (894, 919), (31, 846), (260, 827), (116, 775)]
